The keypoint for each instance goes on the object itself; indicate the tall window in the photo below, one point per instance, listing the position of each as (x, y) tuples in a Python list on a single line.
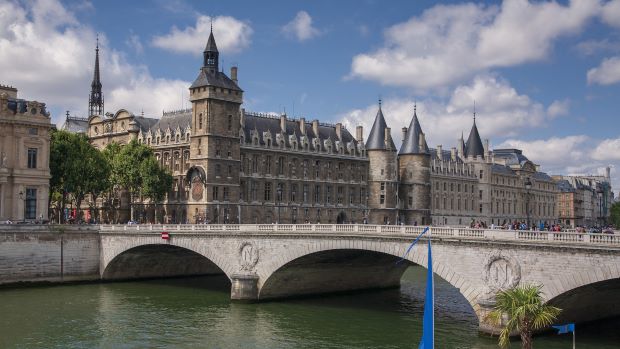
[(305, 193), (216, 192), (267, 191), (31, 203), (229, 122), (225, 193), (268, 165), (32, 157), (317, 194), (328, 194), (200, 121)]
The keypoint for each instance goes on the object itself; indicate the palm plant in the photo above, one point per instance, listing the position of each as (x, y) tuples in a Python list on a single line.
[(526, 312)]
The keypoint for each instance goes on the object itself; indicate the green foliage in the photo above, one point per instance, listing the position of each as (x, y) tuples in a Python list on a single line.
[(614, 215), (525, 312), (77, 168)]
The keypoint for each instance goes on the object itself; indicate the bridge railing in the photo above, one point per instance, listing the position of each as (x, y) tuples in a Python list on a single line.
[(537, 237)]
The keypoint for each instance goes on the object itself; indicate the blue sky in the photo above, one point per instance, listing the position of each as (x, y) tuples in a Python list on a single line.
[(545, 75)]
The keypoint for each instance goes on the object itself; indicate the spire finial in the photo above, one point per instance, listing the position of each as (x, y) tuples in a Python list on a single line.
[(211, 24), (67, 114), (415, 107), (474, 111), (97, 48), (379, 102)]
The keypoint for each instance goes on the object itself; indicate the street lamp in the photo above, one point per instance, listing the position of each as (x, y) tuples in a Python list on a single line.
[(528, 186), (279, 198), (21, 197)]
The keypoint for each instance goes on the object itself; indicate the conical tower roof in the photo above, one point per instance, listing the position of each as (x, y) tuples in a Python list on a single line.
[(474, 143), (211, 46), (376, 138), (411, 144)]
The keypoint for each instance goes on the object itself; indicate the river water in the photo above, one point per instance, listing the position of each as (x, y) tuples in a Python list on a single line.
[(197, 313)]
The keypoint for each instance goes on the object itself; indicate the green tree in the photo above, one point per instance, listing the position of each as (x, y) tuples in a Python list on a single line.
[(614, 215), (77, 169), (525, 312), (135, 169)]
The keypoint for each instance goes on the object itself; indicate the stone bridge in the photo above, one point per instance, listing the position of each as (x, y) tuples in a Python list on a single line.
[(580, 273)]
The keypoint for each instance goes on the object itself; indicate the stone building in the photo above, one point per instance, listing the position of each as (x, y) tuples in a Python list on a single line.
[(584, 200), (231, 165), (24, 157)]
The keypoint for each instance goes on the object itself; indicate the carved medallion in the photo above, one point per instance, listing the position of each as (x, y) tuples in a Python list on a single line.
[(501, 272), (197, 189), (248, 256)]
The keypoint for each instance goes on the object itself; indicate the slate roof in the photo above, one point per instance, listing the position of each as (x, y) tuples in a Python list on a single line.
[(511, 156), (498, 168), (75, 125), (474, 143), (217, 79), (565, 186), (271, 124), (411, 144), (181, 119), (376, 138), (446, 155), (211, 46)]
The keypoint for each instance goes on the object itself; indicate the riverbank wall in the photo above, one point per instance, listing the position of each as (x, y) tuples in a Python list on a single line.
[(48, 253)]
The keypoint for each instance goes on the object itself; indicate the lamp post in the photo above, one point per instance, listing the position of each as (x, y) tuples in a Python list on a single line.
[(528, 186), (279, 198), (21, 197)]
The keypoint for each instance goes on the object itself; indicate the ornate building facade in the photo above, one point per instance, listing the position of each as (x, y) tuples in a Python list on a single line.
[(24, 158), (234, 166)]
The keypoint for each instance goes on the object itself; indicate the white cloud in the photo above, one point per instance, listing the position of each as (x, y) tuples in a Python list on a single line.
[(231, 35), (558, 108), (608, 149), (450, 43), (555, 152), (501, 112), (134, 43), (591, 47), (611, 13), (607, 73), (301, 27), (572, 155), (49, 56)]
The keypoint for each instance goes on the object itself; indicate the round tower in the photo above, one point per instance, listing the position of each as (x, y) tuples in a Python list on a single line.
[(414, 161), (382, 174)]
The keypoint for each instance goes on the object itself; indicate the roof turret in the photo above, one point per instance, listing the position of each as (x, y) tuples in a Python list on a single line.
[(474, 147), (415, 142), (376, 138)]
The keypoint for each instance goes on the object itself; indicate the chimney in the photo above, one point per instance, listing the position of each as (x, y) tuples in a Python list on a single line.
[(233, 73), (387, 137), (461, 150), (608, 173), (302, 125), (242, 117), (404, 129), (339, 130), (422, 142), (486, 148), (283, 123), (315, 127), (359, 133), (439, 152), (453, 153)]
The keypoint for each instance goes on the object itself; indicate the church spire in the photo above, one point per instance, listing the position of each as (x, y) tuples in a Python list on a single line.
[(211, 54), (95, 100), (414, 142), (473, 147)]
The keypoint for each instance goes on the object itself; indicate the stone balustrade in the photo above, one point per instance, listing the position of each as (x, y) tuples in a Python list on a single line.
[(526, 236)]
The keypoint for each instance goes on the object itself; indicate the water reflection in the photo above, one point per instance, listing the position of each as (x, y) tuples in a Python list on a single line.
[(197, 313)]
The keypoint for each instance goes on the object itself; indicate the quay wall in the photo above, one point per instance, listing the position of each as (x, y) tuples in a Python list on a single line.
[(48, 253)]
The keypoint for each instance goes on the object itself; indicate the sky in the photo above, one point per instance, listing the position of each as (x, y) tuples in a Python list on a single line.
[(544, 75)]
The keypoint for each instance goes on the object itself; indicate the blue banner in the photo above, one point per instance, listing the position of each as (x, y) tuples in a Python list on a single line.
[(564, 328), (428, 325)]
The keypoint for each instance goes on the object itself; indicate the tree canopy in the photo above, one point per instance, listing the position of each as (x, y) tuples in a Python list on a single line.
[(614, 215)]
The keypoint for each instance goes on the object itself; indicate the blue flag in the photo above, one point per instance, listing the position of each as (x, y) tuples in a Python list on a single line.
[(564, 328), (428, 325)]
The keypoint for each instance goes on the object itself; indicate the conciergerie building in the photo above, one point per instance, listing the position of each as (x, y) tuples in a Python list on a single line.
[(234, 166)]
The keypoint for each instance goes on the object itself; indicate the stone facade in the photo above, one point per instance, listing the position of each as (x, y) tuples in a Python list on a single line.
[(24, 157), (584, 201), (230, 165)]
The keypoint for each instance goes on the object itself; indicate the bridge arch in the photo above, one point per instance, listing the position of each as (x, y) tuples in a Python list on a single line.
[(269, 273), (585, 296), (176, 250)]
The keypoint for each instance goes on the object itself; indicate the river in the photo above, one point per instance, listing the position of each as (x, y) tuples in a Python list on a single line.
[(197, 313)]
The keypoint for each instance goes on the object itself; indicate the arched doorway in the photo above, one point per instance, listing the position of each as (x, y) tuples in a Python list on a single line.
[(342, 218)]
